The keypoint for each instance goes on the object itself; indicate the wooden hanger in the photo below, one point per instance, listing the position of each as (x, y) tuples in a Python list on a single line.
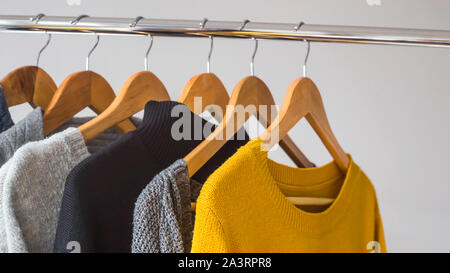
[(134, 94), (29, 83), (303, 100), (250, 91), (206, 86), (297, 201), (138, 89), (210, 89), (78, 91)]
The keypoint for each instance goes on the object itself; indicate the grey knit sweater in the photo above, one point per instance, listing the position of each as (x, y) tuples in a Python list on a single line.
[(28, 129), (33, 184), (163, 221)]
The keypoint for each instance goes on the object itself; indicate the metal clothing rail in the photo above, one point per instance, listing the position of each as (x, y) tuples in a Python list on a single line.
[(228, 29)]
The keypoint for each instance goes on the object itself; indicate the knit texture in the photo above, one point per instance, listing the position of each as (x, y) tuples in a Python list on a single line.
[(5, 117), (100, 192), (163, 221), (31, 128), (242, 207), (32, 184), (100, 141), (33, 188)]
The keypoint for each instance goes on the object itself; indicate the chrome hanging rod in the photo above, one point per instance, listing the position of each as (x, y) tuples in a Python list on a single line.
[(228, 29)]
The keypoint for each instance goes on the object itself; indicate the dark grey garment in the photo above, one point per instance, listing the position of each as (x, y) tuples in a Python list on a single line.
[(5, 117), (28, 129), (163, 220)]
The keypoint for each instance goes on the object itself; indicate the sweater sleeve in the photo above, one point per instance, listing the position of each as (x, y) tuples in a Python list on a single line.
[(209, 236), (379, 232)]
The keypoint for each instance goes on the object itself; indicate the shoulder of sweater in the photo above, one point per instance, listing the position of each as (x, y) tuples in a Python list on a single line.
[(156, 186), (233, 178), (110, 153), (40, 149), (364, 182)]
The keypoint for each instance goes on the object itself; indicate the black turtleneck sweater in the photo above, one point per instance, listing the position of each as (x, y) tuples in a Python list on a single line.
[(100, 192)]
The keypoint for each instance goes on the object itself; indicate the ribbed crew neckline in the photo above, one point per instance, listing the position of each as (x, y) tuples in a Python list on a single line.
[(311, 222)]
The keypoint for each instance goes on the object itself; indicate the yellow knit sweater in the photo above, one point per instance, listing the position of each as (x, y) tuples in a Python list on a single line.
[(242, 208)]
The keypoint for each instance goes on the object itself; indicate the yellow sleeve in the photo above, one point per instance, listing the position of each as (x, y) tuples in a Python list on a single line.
[(209, 236), (379, 232)]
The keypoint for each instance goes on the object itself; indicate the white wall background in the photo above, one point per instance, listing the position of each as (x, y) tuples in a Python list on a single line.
[(388, 106)]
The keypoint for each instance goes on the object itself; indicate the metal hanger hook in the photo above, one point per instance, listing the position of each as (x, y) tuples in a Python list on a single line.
[(211, 46), (74, 22), (208, 63), (305, 62), (244, 24), (133, 25), (36, 19), (49, 37), (92, 50), (252, 62), (147, 52), (306, 58), (139, 18)]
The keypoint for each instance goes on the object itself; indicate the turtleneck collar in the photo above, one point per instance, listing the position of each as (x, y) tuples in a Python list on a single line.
[(159, 138), (157, 134)]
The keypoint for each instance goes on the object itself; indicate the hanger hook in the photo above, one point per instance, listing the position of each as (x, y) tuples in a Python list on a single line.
[(252, 62), (92, 50), (148, 51), (36, 19), (305, 62), (244, 24), (133, 25), (76, 21), (211, 46), (49, 37)]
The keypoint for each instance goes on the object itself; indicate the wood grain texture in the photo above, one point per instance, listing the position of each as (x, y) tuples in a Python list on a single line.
[(208, 87), (137, 90), (250, 91), (29, 84), (78, 91), (297, 201), (303, 100)]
